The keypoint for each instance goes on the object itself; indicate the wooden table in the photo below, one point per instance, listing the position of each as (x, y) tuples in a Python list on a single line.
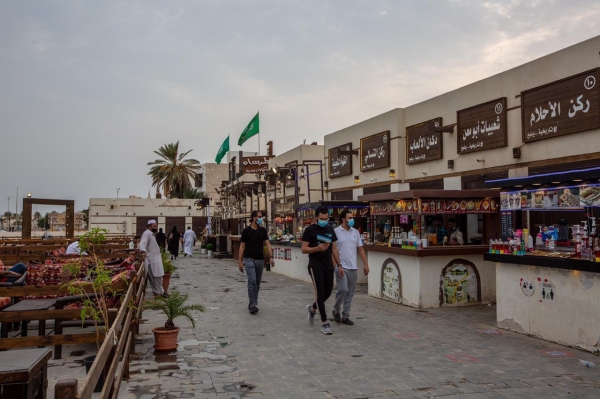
[(23, 373), (28, 305)]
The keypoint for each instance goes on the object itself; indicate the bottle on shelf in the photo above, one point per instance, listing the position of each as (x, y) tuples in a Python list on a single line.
[(578, 244)]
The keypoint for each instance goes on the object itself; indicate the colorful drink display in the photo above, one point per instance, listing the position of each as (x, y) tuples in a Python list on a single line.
[(585, 243)]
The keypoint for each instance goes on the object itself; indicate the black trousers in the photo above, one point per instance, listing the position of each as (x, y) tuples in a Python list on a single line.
[(323, 285)]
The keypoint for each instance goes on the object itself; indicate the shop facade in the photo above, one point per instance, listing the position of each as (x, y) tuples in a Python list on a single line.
[(539, 117)]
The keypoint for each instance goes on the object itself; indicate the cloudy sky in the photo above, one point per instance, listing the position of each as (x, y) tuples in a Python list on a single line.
[(90, 89)]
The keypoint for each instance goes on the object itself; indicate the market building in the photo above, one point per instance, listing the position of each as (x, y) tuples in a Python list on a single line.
[(539, 118)]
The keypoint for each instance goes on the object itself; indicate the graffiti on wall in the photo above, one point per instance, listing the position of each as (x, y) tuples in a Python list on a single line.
[(460, 283), (391, 281), (527, 287)]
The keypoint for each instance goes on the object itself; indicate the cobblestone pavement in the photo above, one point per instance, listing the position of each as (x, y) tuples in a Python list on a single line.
[(392, 352)]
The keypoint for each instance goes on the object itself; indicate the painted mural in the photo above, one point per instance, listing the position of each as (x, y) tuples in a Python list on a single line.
[(459, 285), (390, 284)]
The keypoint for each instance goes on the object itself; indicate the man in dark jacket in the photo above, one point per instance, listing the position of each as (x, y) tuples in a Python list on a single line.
[(161, 239)]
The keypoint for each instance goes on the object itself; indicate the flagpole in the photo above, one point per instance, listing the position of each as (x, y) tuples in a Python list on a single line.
[(258, 143)]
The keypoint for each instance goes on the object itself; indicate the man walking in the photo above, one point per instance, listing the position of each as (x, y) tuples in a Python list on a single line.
[(348, 244), (153, 260), (189, 240), (317, 242), (254, 238)]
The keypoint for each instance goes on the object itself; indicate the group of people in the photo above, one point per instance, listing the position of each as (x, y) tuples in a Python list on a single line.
[(332, 255), (153, 243), (172, 241)]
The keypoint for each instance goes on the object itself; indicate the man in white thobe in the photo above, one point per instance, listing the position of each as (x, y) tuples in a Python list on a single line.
[(189, 240), (153, 260)]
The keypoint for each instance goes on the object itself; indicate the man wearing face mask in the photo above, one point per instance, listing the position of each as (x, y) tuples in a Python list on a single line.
[(254, 239), (317, 242), (153, 260), (348, 244)]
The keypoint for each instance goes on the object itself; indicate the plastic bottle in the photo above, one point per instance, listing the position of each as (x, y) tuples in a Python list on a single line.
[(491, 248), (131, 244), (538, 238), (578, 244), (587, 364)]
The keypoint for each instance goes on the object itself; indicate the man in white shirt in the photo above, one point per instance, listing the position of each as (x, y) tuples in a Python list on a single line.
[(73, 249), (189, 240), (349, 243), (153, 260)]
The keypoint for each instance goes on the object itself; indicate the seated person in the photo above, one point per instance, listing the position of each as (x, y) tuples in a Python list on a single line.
[(456, 236), (438, 229), (13, 273), (73, 249)]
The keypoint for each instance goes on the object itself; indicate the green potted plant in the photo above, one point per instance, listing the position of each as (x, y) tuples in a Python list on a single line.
[(203, 249), (209, 248), (95, 301), (168, 268), (165, 338)]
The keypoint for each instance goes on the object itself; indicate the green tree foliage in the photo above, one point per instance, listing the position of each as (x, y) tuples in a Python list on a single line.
[(172, 172)]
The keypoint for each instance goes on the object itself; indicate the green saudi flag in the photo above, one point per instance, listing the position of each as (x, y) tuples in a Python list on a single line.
[(223, 150), (251, 130)]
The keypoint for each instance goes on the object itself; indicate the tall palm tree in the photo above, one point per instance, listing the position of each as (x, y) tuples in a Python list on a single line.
[(172, 172)]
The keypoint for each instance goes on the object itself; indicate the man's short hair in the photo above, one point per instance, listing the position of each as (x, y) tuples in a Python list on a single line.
[(343, 214), (254, 214), (453, 220), (321, 210), (189, 227)]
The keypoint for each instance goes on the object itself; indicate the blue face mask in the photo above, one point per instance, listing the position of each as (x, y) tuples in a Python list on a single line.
[(259, 221), (323, 223), (351, 223)]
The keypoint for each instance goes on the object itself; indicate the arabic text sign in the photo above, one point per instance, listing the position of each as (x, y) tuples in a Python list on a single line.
[(340, 165), (422, 145), (375, 152), (255, 164), (482, 127), (563, 107)]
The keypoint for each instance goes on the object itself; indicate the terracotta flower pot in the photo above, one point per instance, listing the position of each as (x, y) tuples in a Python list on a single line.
[(166, 281), (165, 340)]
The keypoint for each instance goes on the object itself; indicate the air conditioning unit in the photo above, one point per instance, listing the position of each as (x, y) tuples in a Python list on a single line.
[(517, 152)]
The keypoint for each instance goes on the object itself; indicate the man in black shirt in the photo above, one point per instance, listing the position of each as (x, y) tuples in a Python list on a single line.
[(161, 239), (317, 242), (253, 239)]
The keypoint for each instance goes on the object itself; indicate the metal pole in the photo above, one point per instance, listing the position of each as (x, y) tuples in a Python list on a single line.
[(8, 211), (307, 177)]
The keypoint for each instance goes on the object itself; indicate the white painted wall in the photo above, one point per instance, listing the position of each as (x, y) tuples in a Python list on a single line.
[(121, 219), (421, 277), (571, 318)]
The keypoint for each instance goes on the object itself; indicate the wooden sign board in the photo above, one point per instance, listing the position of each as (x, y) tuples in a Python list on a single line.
[(482, 127), (563, 107), (340, 165), (423, 145), (375, 151), (256, 165)]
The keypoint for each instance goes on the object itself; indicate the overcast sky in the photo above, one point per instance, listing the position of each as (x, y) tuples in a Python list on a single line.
[(89, 89)]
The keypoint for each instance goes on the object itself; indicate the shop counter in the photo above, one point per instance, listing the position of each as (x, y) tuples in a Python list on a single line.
[(454, 275), (555, 299)]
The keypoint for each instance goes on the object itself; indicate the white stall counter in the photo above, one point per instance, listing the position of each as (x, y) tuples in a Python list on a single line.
[(432, 277)]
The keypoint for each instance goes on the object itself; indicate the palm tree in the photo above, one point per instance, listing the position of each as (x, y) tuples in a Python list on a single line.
[(172, 172), (193, 193)]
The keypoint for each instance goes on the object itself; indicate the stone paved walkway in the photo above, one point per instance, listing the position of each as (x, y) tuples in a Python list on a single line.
[(392, 352)]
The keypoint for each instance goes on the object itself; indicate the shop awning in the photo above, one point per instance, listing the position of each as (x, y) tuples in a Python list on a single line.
[(556, 179), (435, 194)]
